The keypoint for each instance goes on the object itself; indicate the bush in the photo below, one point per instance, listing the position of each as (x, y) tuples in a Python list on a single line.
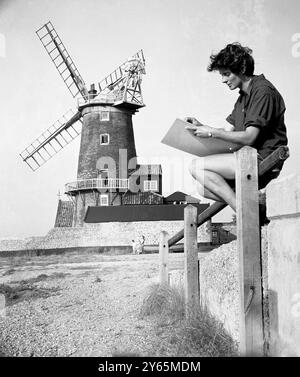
[(199, 336), (163, 301)]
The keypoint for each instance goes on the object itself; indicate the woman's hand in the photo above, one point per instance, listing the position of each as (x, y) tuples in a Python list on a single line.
[(199, 129), (204, 131), (193, 121)]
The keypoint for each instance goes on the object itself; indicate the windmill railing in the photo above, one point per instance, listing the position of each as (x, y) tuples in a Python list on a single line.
[(97, 183)]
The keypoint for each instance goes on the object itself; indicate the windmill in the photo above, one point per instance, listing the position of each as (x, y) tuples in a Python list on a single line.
[(103, 117)]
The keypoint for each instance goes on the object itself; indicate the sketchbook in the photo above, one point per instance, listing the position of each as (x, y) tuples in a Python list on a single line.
[(179, 137)]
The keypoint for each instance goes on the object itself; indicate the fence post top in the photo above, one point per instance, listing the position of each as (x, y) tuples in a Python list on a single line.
[(246, 149), (189, 206)]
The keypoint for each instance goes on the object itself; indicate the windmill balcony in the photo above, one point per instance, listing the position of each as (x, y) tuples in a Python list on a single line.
[(108, 98), (96, 183)]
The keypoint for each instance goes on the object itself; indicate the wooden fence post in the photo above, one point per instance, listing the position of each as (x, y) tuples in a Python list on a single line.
[(191, 273), (163, 257), (248, 245)]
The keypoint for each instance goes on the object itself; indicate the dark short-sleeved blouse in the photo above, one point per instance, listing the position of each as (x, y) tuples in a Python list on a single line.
[(263, 107)]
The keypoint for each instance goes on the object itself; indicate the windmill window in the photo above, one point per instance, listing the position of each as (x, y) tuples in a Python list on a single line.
[(150, 185), (104, 116), (104, 139), (103, 200)]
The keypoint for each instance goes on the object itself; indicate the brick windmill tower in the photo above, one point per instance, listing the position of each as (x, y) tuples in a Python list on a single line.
[(104, 118)]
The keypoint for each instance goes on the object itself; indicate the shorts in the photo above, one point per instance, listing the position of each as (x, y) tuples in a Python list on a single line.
[(264, 179)]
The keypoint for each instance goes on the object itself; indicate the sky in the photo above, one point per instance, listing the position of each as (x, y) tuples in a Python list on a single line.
[(177, 38)]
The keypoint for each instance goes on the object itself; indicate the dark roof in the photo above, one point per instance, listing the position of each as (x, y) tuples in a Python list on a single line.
[(179, 196), (130, 213)]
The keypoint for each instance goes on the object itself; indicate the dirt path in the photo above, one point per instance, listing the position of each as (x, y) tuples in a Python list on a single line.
[(76, 305)]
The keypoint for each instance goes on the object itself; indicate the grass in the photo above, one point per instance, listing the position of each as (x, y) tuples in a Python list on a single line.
[(43, 277), (199, 336), (164, 302), (25, 290), (9, 272)]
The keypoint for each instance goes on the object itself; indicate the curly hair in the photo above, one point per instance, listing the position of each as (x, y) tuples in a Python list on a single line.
[(234, 57)]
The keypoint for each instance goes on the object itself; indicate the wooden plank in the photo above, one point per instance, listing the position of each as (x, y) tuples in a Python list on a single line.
[(203, 247), (163, 257), (191, 273), (202, 218), (280, 154), (248, 245)]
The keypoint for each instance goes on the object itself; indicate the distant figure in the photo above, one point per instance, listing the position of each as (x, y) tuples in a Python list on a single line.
[(134, 247), (140, 244)]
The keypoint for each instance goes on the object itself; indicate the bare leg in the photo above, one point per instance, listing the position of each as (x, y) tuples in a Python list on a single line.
[(210, 172), (203, 191), (215, 183)]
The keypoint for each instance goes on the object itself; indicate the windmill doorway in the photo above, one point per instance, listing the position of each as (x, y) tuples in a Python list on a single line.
[(104, 176)]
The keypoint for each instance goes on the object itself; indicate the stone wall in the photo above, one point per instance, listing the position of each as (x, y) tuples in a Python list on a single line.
[(19, 244), (219, 277), (219, 286), (283, 209), (219, 282), (65, 212), (103, 234)]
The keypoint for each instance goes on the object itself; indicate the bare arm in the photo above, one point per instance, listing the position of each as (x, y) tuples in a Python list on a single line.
[(246, 137)]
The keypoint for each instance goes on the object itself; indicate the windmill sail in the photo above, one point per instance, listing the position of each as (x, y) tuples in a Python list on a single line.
[(55, 138), (123, 85), (62, 60)]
